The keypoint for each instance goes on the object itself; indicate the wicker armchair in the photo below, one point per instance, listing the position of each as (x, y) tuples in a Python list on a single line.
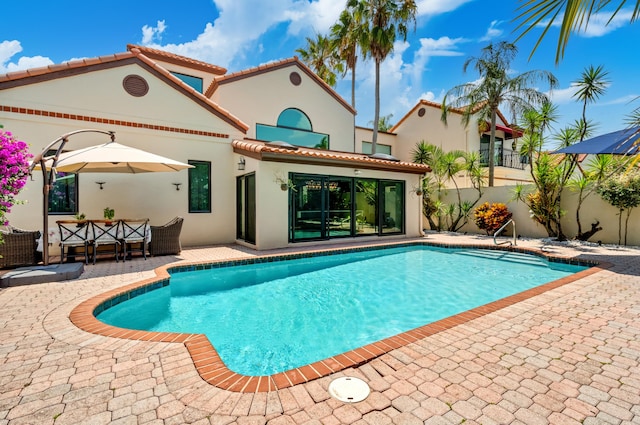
[(19, 248), (165, 239)]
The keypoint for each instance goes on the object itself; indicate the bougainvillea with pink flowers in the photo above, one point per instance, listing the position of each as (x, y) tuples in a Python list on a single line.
[(14, 171)]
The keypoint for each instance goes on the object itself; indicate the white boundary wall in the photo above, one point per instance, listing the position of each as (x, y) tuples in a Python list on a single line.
[(594, 208)]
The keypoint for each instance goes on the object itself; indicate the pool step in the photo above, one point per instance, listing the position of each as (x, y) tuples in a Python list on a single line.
[(511, 257)]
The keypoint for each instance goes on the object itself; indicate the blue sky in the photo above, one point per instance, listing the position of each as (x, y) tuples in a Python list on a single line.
[(238, 34)]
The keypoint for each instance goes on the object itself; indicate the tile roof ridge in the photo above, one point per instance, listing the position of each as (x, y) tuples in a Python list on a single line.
[(178, 59), (259, 146), (259, 68), (275, 65), (77, 63), (159, 68)]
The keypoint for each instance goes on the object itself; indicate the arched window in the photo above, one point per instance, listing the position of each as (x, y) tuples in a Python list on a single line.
[(294, 127), (294, 118)]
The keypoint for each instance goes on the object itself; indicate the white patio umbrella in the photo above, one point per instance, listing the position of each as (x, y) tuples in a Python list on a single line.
[(111, 157)]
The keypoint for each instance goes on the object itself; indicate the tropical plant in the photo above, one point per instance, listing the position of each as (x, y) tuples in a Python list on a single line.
[(14, 171), (623, 192), (491, 217), (550, 174), (495, 87), (321, 57), (382, 22), (575, 15), (591, 85), (445, 168), (345, 38), (384, 123)]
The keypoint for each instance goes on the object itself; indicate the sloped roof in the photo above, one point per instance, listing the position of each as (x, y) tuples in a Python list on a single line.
[(272, 66), (81, 66), (178, 60), (267, 152), (431, 104)]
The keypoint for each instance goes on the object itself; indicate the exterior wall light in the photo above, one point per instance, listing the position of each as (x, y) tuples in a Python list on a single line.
[(241, 163)]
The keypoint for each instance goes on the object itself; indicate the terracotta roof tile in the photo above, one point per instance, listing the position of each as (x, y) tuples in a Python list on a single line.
[(11, 76), (178, 60), (265, 151), (133, 53), (193, 92), (431, 104), (273, 66)]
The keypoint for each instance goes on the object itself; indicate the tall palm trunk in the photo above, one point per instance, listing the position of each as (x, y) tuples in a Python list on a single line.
[(376, 114), (353, 84)]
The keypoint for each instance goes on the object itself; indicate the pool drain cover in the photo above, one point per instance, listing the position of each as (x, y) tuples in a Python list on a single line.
[(349, 389)]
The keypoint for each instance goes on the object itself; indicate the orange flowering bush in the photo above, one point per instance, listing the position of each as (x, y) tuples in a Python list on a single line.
[(490, 217)]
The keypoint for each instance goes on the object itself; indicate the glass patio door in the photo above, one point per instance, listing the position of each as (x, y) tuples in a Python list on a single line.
[(340, 221), (246, 208), (308, 202)]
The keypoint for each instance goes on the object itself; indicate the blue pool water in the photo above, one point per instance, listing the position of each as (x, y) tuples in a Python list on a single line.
[(270, 317)]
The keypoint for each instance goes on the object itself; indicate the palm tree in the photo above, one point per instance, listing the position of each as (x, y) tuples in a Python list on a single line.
[(445, 168), (345, 36), (384, 123), (321, 58), (575, 15), (496, 87), (591, 85), (383, 21)]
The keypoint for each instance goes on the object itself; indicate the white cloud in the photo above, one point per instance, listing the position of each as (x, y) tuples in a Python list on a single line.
[(619, 101), (563, 96), (492, 32), (599, 24), (151, 34), (431, 47), (241, 24), (436, 7), (8, 49), (318, 16)]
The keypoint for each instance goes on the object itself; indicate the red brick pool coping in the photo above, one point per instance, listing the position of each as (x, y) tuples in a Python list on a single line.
[(213, 370)]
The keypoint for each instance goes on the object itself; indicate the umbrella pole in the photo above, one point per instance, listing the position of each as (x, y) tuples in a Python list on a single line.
[(45, 214), (47, 178)]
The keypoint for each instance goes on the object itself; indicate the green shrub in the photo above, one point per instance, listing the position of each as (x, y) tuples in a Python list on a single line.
[(490, 217)]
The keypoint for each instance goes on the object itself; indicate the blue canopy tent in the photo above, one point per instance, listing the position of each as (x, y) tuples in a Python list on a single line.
[(621, 142)]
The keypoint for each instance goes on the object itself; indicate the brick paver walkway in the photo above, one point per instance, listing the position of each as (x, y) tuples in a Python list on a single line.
[(568, 356)]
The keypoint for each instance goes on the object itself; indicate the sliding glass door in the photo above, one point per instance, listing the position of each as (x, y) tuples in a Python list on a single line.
[(325, 207)]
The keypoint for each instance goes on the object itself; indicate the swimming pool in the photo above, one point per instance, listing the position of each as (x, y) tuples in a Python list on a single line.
[(269, 317)]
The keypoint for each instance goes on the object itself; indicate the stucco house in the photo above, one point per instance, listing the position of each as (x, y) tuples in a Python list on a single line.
[(423, 123), (273, 148)]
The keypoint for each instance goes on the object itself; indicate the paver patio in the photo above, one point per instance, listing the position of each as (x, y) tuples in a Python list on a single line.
[(568, 356)]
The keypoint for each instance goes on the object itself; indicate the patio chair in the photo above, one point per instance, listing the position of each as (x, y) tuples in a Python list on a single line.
[(105, 232), (134, 232), (73, 234), (165, 239), (19, 247)]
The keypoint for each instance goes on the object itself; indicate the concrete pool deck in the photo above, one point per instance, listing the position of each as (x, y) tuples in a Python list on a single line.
[(567, 356)]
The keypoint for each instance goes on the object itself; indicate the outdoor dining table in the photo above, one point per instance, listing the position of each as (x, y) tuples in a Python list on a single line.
[(96, 232)]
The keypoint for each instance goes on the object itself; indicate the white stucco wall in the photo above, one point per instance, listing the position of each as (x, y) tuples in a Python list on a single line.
[(100, 94), (261, 98), (272, 202)]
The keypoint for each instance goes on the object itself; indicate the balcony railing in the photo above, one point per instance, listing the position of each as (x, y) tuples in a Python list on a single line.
[(505, 158)]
